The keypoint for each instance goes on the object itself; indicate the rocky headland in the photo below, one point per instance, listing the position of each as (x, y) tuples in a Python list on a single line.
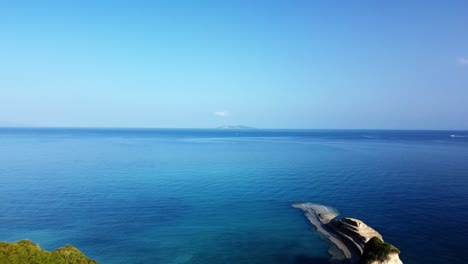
[(25, 251), (354, 241)]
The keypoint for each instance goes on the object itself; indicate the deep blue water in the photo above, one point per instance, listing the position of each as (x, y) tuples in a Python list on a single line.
[(214, 196)]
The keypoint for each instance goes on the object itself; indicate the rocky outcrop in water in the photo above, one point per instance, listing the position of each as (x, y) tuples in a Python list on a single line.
[(25, 251), (358, 242)]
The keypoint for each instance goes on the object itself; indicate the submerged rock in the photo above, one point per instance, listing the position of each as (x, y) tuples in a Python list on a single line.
[(25, 251)]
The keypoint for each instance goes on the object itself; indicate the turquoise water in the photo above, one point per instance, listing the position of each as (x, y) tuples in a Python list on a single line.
[(211, 196)]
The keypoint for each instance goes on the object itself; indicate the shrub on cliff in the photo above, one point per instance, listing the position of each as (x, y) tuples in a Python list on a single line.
[(25, 251), (377, 250)]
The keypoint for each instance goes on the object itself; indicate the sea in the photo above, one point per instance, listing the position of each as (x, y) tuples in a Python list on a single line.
[(207, 196)]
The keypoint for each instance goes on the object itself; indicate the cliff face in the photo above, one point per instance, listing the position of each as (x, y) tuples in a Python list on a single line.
[(356, 231), (25, 251), (391, 259), (376, 251), (367, 241)]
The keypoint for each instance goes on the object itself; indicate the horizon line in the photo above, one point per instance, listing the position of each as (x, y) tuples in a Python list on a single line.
[(226, 129)]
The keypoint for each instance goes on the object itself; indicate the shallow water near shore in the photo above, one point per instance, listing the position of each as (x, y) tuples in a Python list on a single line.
[(215, 196)]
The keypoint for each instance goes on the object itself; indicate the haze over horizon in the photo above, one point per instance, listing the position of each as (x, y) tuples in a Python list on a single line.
[(265, 64)]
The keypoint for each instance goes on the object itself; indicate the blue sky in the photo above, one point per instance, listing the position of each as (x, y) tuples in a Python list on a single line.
[(267, 64)]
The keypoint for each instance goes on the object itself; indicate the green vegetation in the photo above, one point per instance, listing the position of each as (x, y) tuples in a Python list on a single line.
[(25, 251), (377, 250)]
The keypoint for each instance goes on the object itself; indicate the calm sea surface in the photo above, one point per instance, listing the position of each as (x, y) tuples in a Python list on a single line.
[(214, 196)]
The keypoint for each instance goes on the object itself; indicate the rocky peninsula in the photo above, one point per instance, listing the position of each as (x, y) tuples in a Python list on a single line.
[(354, 241), (25, 251)]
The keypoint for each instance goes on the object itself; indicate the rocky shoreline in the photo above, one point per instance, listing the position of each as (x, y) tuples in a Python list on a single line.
[(350, 236)]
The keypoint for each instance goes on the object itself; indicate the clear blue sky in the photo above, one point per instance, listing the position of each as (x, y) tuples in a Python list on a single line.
[(268, 64)]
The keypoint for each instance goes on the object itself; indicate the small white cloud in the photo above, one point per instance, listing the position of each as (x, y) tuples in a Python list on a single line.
[(463, 61), (221, 113)]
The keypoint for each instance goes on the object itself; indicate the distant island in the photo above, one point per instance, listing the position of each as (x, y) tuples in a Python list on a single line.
[(25, 251), (354, 241), (234, 127)]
